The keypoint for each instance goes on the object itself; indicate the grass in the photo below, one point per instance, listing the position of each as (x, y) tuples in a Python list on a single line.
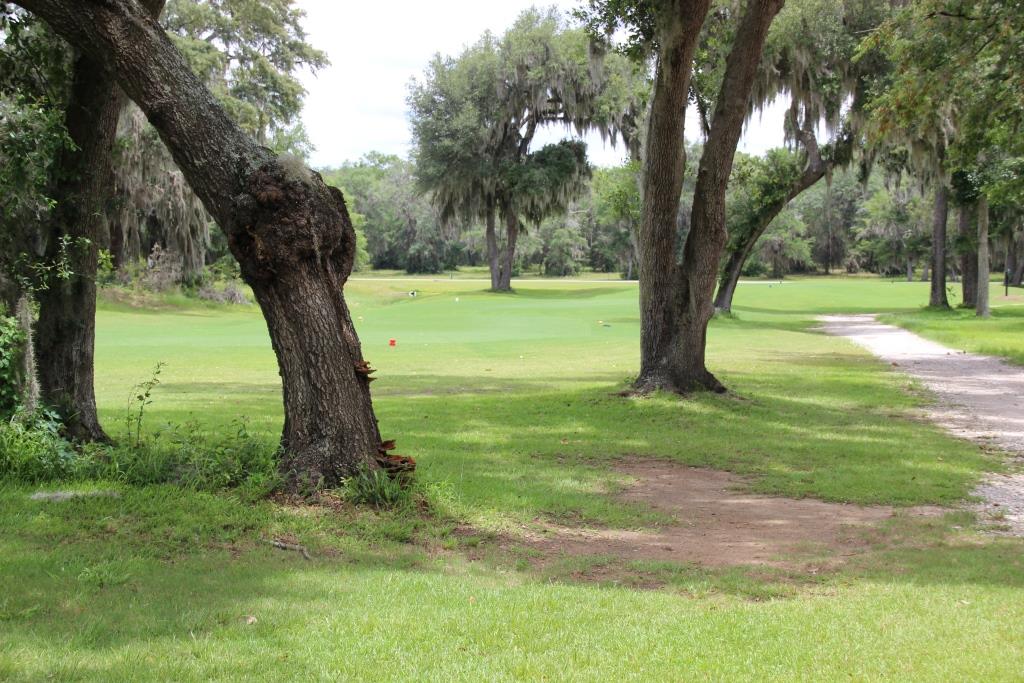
[(508, 404), (1000, 335)]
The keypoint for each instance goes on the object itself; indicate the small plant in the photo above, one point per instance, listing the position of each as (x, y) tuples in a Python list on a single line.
[(11, 340), (137, 402), (377, 488)]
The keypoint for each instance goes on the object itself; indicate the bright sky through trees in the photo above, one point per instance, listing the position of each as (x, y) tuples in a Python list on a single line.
[(357, 104)]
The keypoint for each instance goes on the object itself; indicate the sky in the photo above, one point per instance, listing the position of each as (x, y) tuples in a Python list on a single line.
[(357, 104)]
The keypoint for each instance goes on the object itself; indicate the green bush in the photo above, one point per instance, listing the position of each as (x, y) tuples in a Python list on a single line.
[(33, 451), (11, 339), (182, 455)]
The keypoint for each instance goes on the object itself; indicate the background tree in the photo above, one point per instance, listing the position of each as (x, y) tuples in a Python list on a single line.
[(615, 219), (402, 229), (474, 119), (956, 96), (249, 54), (808, 59)]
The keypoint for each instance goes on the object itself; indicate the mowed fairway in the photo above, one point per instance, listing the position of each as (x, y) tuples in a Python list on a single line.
[(510, 405)]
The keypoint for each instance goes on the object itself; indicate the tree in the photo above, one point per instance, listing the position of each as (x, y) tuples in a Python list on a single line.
[(769, 186), (676, 295), (290, 233), (248, 52), (784, 245), (956, 98), (965, 196), (402, 229), (615, 205), (79, 178), (474, 119), (809, 58)]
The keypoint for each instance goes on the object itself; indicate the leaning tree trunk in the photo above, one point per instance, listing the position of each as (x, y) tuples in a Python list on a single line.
[(682, 367), (982, 308), (290, 232), (937, 297), (664, 163), (743, 246), (968, 257)]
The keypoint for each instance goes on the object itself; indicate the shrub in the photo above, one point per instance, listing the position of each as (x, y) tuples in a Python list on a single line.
[(33, 451), (182, 455), (11, 340)]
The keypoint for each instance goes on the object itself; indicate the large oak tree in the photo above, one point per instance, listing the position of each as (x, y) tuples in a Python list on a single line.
[(676, 292), (289, 231)]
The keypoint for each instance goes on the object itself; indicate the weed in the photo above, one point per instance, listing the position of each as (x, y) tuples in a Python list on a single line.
[(377, 488), (138, 399)]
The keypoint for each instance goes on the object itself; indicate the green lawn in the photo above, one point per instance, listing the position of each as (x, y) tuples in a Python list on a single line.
[(1000, 335), (509, 404)]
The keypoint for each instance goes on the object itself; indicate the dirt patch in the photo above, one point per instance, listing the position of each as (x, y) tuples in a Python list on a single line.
[(718, 524)]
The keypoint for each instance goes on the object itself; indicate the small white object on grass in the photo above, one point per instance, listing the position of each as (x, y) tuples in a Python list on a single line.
[(61, 496)]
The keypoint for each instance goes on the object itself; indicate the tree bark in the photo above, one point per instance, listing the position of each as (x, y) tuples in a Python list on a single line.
[(968, 256), (937, 297), (664, 163), (982, 308), (290, 232), (492, 249), (508, 255), (83, 179), (1018, 272), (66, 331), (673, 357)]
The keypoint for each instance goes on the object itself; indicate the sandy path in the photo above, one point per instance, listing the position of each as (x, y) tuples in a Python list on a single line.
[(978, 398)]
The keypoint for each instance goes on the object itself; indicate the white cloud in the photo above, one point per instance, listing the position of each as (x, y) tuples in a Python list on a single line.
[(357, 104)]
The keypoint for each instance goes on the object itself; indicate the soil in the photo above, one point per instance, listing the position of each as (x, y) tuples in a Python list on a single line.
[(719, 524), (977, 397)]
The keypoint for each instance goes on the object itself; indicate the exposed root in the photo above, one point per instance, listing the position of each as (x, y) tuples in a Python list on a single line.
[(294, 547)]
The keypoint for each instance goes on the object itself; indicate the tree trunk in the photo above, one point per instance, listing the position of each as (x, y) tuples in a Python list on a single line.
[(29, 368), (1011, 256), (743, 245), (508, 255), (678, 359), (664, 163), (289, 231), (1018, 272), (937, 297), (83, 180), (968, 257), (910, 269), (982, 309), (66, 331), (492, 250)]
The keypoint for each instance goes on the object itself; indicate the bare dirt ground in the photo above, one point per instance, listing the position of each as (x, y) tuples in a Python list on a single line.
[(718, 524), (977, 397)]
